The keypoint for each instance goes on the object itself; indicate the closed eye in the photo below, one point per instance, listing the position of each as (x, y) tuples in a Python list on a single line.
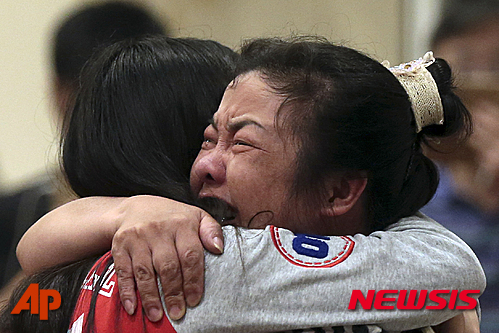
[(242, 143), (240, 146)]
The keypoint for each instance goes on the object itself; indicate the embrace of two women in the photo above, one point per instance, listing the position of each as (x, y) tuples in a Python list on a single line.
[(310, 165)]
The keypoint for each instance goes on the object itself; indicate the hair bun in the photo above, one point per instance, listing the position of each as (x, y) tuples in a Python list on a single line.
[(457, 119), (422, 90)]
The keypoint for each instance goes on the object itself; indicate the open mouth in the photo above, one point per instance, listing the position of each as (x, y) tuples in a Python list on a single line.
[(219, 209)]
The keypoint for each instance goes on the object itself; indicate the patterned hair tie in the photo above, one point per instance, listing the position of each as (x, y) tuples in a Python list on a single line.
[(422, 90)]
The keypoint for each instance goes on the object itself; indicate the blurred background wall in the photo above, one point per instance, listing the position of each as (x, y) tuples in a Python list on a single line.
[(387, 29)]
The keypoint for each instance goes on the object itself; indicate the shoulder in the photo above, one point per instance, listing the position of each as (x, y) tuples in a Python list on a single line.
[(108, 313)]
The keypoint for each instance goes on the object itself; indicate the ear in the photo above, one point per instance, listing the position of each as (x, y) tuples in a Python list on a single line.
[(344, 193)]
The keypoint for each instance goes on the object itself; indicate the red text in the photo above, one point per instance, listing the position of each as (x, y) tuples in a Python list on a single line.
[(412, 299), (37, 301)]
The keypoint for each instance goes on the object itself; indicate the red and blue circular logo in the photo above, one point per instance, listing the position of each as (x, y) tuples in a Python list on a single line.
[(311, 250)]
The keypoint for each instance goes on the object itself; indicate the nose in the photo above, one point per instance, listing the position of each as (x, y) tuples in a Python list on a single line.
[(210, 168)]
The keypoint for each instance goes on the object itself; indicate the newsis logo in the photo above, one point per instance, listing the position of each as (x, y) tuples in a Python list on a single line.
[(412, 299), (38, 301)]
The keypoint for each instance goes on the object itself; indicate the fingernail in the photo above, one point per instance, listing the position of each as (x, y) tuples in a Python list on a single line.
[(155, 314), (176, 312), (192, 300), (129, 307), (217, 242)]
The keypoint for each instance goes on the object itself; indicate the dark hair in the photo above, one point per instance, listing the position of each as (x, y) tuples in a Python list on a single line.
[(135, 128), (138, 119), (95, 26), (351, 114), (67, 280)]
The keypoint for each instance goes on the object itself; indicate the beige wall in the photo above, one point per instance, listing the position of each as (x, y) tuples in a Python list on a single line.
[(370, 25), (26, 133), (28, 143)]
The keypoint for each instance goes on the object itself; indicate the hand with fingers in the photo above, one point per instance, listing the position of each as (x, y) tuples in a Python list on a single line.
[(159, 237)]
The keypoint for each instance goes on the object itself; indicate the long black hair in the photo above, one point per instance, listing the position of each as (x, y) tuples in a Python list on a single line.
[(135, 128), (137, 122), (67, 280)]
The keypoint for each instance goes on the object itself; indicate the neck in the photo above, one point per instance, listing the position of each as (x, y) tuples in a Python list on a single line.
[(351, 223)]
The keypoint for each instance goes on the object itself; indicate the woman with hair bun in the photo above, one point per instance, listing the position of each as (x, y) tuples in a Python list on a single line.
[(310, 140)]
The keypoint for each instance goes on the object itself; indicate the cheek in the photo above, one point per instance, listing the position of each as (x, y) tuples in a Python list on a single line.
[(255, 187), (242, 179)]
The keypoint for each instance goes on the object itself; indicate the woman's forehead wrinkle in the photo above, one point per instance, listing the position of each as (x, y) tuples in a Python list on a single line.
[(222, 115), (222, 118), (249, 102)]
